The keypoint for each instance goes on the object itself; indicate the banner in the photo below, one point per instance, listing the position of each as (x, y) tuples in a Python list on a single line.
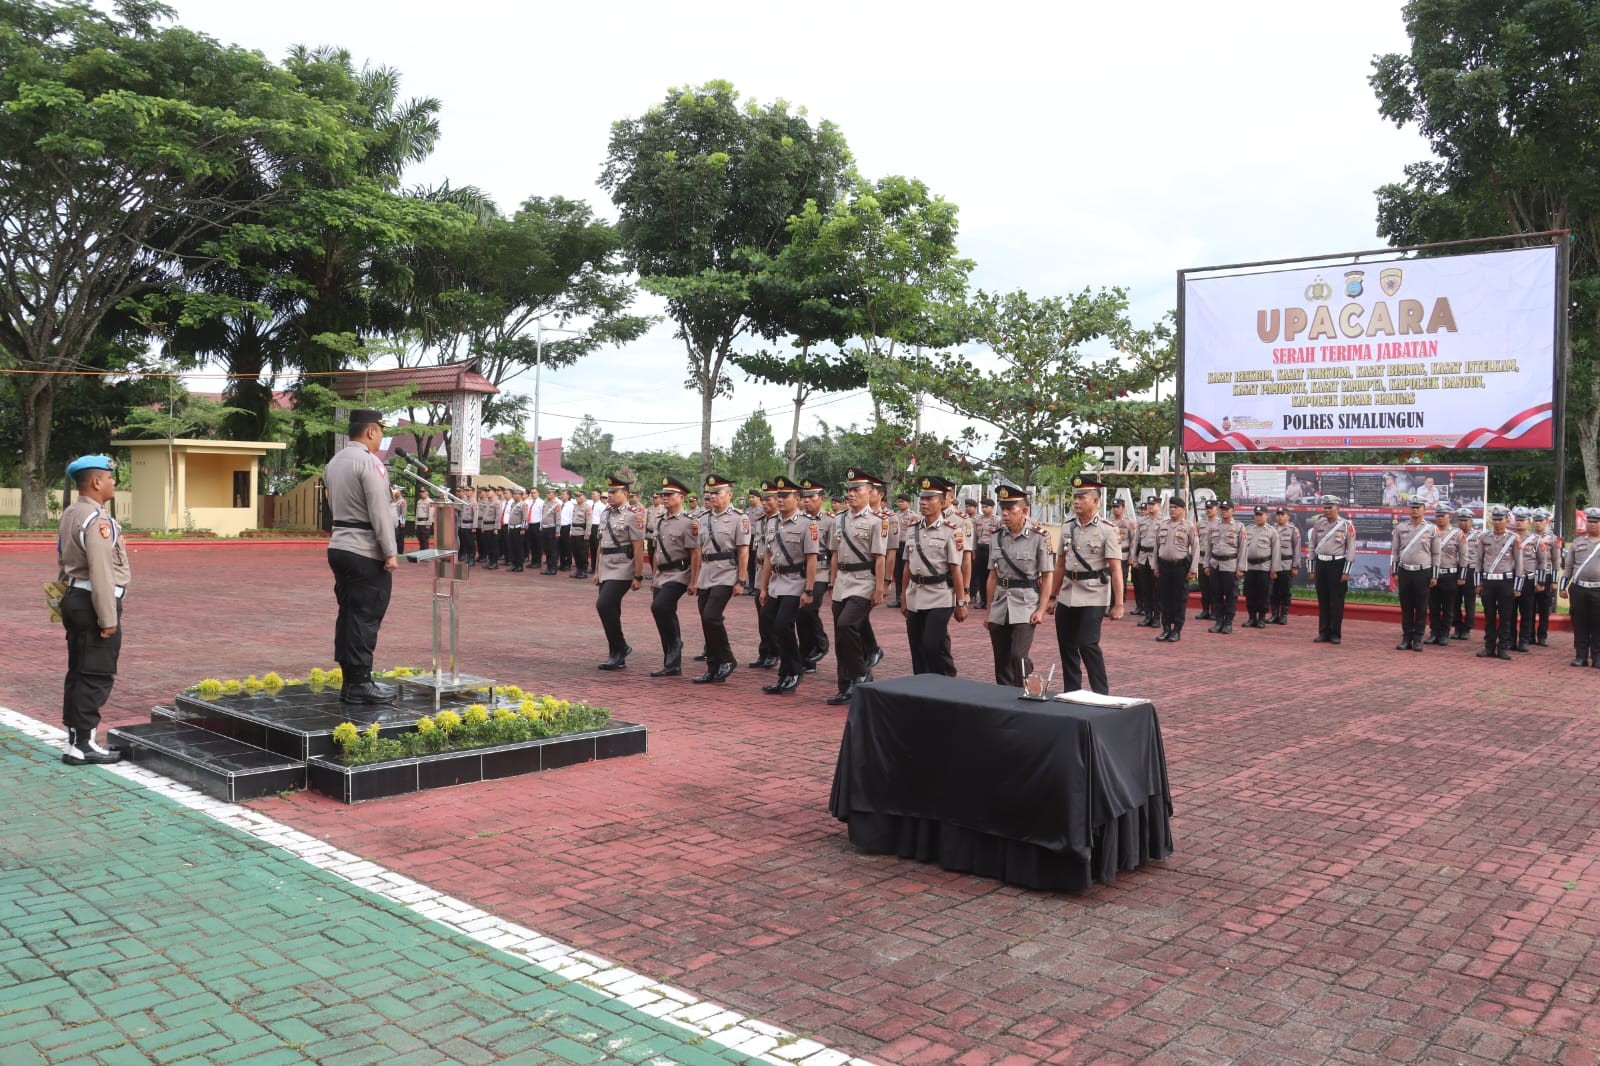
[(1452, 352)]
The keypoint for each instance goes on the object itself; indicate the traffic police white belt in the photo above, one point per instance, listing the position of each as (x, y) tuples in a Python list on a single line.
[(1498, 577), (83, 583), (1419, 566), (1330, 558), (1587, 584)]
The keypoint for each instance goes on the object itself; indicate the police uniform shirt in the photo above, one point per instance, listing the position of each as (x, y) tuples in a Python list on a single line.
[(1021, 558), (1221, 545), (1288, 545), (622, 527), (789, 541), (1531, 549), (1582, 567), (1415, 546), (891, 529), (1497, 554), (519, 514), (942, 543), (1332, 538), (425, 512), (580, 518), (868, 535), (1552, 550), (1178, 541), (1261, 548), (1095, 543), (92, 550), (551, 513), (467, 517), (1127, 529), (1452, 550), (674, 541), (399, 510), (720, 537), (952, 515), (358, 491), (1145, 539), (652, 518), (488, 513)]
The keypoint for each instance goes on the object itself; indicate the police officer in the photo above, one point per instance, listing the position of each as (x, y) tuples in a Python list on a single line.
[(488, 529), (621, 568), (1467, 587), (1414, 560), (878, 491), (1260, 549), (813, 635), (1144, 569), (754, 512), (1452, 557), (424, 519), (580, 536), (1127, 529), (1020, 585), (905, 516), (550, 531), (788, 574), (1531, 587), (858, 538), (1498, 561), (1545, 605), (1220, 545), (1580, 580), (399, 518), (724, 555), (1332, 547), (1089, 566), (361, 554), (467, 527), (934, 590), (760, 533), (1207, 606), (535, 544), (675, 566), (982, 529), (564, 530), (94, 567), (1289, 564), (1177, 558)]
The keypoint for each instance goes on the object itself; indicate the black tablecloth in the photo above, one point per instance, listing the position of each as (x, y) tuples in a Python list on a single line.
[(1048, 795)]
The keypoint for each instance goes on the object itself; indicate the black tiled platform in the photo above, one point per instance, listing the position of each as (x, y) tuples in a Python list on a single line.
[(217, 765)]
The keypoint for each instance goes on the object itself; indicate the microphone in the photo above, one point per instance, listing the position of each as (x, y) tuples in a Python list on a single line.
[(411, 460)]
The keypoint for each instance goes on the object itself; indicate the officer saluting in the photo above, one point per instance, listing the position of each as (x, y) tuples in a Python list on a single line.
[(1332, 545), (1580, 580), (621, 567), (1020, 583), (94, 567), (361, 554)]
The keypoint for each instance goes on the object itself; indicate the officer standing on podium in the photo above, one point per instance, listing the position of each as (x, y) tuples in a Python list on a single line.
[(94, 567), (361, 554)]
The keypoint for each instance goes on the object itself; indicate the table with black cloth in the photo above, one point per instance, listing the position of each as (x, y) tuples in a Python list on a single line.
[(1050, 795)]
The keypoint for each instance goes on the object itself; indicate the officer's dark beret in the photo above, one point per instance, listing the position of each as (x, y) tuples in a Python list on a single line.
[(613, 481), (672, 484), (783, 484), (1261, 508), (1177, 501)]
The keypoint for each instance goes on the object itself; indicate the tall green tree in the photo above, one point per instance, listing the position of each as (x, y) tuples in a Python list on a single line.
[(704, 188), (754, 451), (589, 450), (1508, 96), (122, 145)]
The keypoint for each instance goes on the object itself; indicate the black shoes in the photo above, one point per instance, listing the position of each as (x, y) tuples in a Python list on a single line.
[(1579, 662), (785, 684), (838, 699), (875, 658), (716, 674), (1519, 647), (617, 661), (366, 692), (82, 750), (667, 671), (766, 662), (701, 658)]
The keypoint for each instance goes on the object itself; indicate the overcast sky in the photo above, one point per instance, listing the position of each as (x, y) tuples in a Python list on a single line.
[(1085, 144)]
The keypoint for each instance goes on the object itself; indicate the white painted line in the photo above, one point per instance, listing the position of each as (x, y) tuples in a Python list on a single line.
[(623, 986)]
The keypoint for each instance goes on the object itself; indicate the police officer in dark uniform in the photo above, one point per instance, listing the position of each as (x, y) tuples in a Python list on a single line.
[(361, 554), (94, 567)]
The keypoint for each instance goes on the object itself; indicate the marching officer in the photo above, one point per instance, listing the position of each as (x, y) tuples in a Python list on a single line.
[(754, 512), (760, 532), (1144, 567), (878, 491), (1545, 605), (1288, 565), (724, 555), (983, 526), (907, 516), (1580, 580), (621, 568), (1452, 558), (934, 589), (675, 566), (813, 635), (1219, 551), (1498, 561), (94, 567), (1467, 587), (1089, 565), (1021, 585), (1177, 558), (1332, 548), (424, 519), (858, 539), (1262, 563), (1531, 587), (1207, 605), (788, 573), (1414, 560), (580, 536)]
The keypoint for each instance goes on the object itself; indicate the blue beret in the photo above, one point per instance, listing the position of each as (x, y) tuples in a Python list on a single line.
[(89, 462)]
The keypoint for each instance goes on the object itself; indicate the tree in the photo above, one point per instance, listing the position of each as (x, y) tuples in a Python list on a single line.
[(754, 452), (588, 450), (704, 189), (1508, 96), (808, 372), (121, 146)]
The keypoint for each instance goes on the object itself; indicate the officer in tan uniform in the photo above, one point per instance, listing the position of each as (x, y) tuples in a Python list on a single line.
[(94, 567), (1089, 571), (1545, 605), (1452, 557), (1580, 580), (787, 575), (1467, 587), (760, 539), (1498, 563), (724, 556), (1531, 587), (1127, 529), (675, 564), (1144, 570), (1205, 528), (1414, 560), (550, 532), (813, 635), (858, 538), (361, 554), (580, 536), (1289, 563), (1260, 552), (1220, 546), (424, 519), (1177, 559), (1020, 584), (934, 590), (488, 529), (1332, 547), (621, 568), (467, 527), (879, 492)]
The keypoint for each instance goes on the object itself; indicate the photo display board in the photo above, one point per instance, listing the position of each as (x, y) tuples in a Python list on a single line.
[(1376, 498), (1449, 352)]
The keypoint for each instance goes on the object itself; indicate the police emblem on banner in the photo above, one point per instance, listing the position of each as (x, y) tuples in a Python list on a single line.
[(1389, 279), (1353, 286)]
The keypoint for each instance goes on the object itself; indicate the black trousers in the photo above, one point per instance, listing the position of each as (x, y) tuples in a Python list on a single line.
[(552, 549), (1525, 612), (564, 540), (850, 628), (767, 647), (594, 548), (1078, 637), (1012, 645), (1173, 583), (1144, 584), (91, 661), (1585, 624), (1543, 607), (1466, 603), (713, 603), (534, 547), (608, 605), (424, 535), (1331, 588), (1207, 601), (1442, 604), (979, 582), (1257, 592), (664, 609), (781, 613), (1499, 610), (400, 538), (1282, 591), (900, 578), (929, 634), (466, 544), (489, 546), (1224, 594), (1413, 602), (813, 634), (361, 586)]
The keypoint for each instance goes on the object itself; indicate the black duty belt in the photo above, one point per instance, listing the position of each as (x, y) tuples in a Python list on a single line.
[(340, 523), (1225, 558), (824, 557), (1016, 583), (797, 568), (675, 565), (854, 568), (715, 557), (936, 579), (616, 551), (1085, 575), (1261, 559)]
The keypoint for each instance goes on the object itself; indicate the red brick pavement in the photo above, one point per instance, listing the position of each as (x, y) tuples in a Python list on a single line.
[(1382, 856)]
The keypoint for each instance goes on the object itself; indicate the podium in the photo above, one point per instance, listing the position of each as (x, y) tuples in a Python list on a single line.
[(448, 572)]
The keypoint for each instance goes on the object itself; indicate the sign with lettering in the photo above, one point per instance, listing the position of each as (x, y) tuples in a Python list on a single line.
[(1449, 352)]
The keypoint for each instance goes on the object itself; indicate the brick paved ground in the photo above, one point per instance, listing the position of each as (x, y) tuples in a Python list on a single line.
[(1383, 856)]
